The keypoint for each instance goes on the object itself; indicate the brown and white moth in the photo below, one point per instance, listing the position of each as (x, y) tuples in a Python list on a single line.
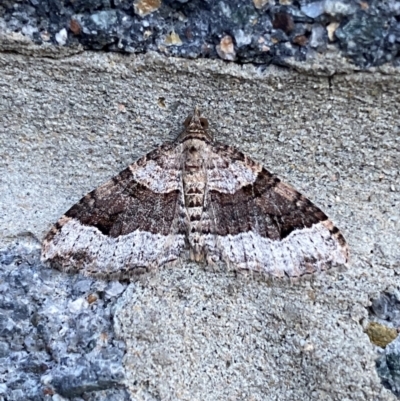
[(197, 199)]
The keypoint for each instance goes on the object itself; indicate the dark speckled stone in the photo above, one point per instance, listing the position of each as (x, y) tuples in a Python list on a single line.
[(368, 32), (52, 341)]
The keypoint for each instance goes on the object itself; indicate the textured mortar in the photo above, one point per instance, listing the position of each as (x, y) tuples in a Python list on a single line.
[(67, 126)]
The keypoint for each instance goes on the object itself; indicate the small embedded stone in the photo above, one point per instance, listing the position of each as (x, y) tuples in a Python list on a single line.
[(284, 22), (61, 37), (300, 40), (146, 7), (260, 3), (339, 8), (75, 27), (318, 37), (380, 335), (331, 28), (226, 49), (173, 39), (92, 298)]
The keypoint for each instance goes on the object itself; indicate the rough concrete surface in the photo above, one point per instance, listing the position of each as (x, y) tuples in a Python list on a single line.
[(68, 125)]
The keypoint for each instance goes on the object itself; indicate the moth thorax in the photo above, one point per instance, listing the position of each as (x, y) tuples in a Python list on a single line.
[(194, 176)]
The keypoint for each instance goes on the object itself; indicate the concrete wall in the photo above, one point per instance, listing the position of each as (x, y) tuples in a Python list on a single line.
[(67, 125)]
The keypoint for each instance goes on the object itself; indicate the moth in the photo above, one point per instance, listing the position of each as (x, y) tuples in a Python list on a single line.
[(194, 199)]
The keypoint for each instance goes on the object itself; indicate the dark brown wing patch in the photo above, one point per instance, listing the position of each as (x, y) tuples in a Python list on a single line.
[(123, 205), (262, 207)]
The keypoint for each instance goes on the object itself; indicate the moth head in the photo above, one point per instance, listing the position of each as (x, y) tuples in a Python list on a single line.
[(196, 127)]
